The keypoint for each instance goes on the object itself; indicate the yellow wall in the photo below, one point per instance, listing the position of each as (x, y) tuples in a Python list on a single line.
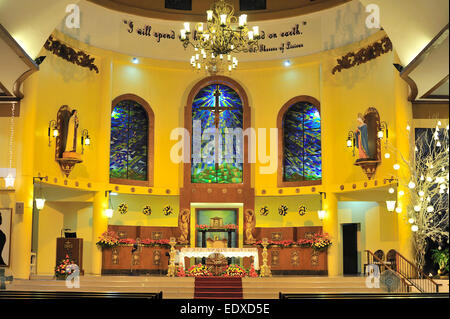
[(165, 86)]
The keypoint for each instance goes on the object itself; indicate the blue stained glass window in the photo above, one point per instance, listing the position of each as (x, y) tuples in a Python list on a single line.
[(302, 143), (129, 141), (227, 169)]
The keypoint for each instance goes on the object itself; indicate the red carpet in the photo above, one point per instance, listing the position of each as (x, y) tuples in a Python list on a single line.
[(218, 288)]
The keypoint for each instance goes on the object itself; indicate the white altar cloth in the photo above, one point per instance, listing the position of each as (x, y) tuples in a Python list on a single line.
[(227, 252)]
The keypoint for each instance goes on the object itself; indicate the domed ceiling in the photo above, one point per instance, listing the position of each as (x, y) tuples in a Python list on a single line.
[(194, 10)]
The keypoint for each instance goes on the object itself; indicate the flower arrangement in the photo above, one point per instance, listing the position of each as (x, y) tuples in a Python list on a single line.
[(202, 227), (199, 271), (123, 208), (127, 241), (147, 211), (252, 273), (108, 239), (181, 272), (283, 210), (264, 211), (61, 271), (234, 271), (167, 210), (302, 210), (231, 226), (318, 242), (155, 242), (321, 241)]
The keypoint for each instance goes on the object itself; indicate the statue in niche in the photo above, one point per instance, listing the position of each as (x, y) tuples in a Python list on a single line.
[(249, 227), (184, 221), (69, 135), (362, 139)]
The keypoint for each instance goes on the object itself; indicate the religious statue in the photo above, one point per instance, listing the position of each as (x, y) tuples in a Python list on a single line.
[(362, 139), (69, 128), (184, 221), (249, 226)]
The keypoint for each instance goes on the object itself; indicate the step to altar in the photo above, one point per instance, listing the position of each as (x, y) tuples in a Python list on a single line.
[(183, 288)]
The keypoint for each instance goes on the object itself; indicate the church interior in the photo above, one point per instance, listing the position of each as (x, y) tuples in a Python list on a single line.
[(214, 149)]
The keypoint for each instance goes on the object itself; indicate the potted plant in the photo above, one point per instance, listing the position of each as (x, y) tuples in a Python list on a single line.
[(62, 270), (108, 239), (440, 258)]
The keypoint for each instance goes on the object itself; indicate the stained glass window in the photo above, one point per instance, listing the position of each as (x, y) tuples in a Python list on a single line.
[(302, 143), (226, 165), (129, 141)]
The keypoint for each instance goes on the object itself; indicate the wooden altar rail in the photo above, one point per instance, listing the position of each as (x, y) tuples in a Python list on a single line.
[(153, 260)]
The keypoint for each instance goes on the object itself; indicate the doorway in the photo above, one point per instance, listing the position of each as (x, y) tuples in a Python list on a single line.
[(350, 248)]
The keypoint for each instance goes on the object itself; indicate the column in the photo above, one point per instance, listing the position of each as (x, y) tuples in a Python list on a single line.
[(99, 226), (23, 156), (331, 226), (404, 141)]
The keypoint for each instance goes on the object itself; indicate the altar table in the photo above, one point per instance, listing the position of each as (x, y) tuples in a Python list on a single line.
[(227, 252)]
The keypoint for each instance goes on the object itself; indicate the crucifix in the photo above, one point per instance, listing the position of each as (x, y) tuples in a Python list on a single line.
[(217, 110)]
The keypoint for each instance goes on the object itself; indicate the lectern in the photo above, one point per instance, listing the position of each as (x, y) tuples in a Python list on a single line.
[(73, 247)]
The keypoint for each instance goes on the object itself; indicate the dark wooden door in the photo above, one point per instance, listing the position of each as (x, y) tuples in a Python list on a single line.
[(350, 244)]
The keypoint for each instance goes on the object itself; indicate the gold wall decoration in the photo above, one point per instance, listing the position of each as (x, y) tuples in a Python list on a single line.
[(277, 236), (157, 257), (315, 258), (295, 258), (69, 54), (364, 55), (115, 255)]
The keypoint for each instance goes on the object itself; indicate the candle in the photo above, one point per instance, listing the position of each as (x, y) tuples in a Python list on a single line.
[(200, 27), (242, 20), (209, 15), (183, 34), (187, 27), (250, 35), (223, 19), (256, 31)]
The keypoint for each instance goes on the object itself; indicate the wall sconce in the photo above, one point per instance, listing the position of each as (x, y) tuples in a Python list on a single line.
[(39, 198), (384, 131), (109, 212), (351, 141), (9, 181), (322, 213), (390, 204), (52, 131), (85, 140)]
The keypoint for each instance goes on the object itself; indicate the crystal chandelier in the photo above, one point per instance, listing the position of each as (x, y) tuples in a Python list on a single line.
[(222, 36)]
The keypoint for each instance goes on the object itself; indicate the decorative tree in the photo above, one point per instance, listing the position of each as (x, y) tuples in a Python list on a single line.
[(426, 179)]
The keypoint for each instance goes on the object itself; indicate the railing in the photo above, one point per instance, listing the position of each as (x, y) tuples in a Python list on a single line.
[(414, 275), (403, 287)]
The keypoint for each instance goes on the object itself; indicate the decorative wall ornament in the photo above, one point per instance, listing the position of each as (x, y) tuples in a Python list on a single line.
[(123, 208), (283, 210), (264, 211), (69, 54), (167, 210), (156, 257), (276, 236), (147, 211), (250, 223), (184, 221), (115, 255), (66, 142), (295, 258), (275, 258), (302, 210), (315, 258), (364, 55)]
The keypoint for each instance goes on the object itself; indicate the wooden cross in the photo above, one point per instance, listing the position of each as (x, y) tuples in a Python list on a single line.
[(217, 110)]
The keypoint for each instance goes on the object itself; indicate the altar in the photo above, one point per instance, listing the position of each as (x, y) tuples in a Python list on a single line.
[(226, 252)]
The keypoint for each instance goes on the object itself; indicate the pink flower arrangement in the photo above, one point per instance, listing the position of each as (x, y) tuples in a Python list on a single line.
[(252, 272), (231, 226), (181, 272), (202, 227), (61, 270), (320, 241), (108, 239)]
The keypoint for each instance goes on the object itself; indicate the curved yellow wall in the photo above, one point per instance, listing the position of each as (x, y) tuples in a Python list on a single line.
[(166, 85)]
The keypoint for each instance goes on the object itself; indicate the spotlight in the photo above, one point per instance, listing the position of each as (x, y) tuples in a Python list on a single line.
[(40, 59), (398, 67), (135, 60)]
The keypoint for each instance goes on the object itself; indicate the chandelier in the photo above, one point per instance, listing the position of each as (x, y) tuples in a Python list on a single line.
[(222, 36)]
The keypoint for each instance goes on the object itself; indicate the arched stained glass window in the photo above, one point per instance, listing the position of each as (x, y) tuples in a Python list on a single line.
[(302, 160), (129, 142), (219, 107)]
